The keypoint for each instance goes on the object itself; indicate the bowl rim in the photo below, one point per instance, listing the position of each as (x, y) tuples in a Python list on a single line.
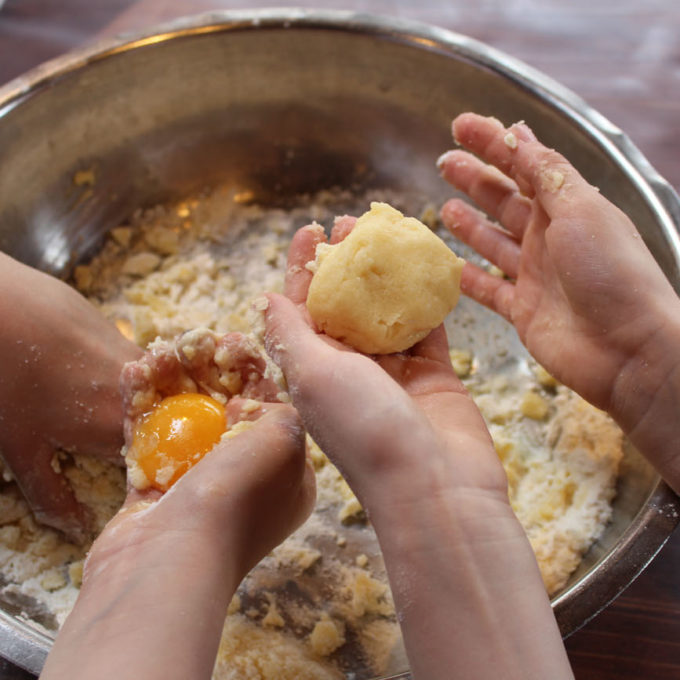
[(25, 644)]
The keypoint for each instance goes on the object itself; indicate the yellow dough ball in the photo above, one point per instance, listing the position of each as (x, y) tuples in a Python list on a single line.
[(385, 286)]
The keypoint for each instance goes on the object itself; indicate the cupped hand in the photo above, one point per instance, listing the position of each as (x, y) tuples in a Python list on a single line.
[(221, 365), (158, 580), (60, 362), (243, 498), (265, 476), (377, 415), (414, 448), (580, 287)]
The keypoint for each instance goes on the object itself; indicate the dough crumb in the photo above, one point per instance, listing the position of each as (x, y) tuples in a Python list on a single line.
[(75, 573), (461, 360), (544, 378), (273, 618), (141, 264), (53, 580), (534, 406), (235, 605), (326, 636), (552, 180), (510, 140)]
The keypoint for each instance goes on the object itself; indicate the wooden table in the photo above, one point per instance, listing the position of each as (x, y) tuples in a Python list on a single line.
[(622, 56)]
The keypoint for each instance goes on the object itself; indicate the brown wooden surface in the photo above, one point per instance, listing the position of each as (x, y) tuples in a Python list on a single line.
[(623, 57)]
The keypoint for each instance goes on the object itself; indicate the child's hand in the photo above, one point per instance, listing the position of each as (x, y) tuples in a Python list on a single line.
[(415, 450), (584, 293), (158, 580), (373, 414)]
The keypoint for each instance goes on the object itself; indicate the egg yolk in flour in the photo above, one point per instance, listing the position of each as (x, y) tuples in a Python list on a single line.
[(176, 435)]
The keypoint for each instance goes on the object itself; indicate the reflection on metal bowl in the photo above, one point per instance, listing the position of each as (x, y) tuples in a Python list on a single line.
[(284, 102)]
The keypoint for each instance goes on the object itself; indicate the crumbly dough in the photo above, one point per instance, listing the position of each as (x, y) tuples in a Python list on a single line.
[(326, 636), (385, 286), (561, 468)]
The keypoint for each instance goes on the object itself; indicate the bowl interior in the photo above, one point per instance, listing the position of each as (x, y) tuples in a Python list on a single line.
[(279, 110)]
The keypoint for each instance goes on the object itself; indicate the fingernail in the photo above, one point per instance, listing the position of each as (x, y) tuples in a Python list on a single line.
[(441, 161), (523, 131), (316, 228), (448, 214)]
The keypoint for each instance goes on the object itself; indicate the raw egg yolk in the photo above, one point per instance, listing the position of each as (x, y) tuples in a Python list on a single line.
[(176, 435)]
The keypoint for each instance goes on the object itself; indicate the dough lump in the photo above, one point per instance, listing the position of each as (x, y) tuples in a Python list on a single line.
[(385, 286)]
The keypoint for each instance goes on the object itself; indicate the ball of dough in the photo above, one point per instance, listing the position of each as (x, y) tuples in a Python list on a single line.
[(385, 286)]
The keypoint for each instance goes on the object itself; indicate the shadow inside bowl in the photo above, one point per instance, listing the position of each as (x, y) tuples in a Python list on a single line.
[(284, 106)]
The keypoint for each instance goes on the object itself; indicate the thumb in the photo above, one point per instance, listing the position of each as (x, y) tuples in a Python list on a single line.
[(290, 341), (250, 491), (48, 492)]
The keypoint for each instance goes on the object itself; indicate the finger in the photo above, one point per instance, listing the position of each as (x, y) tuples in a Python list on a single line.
[(157, 374), (49, 494), (491, 291), (489, 139), (471, 227), (538, 170), (254, 474), (558, 186), (278, 431), (302, 250), (435, 347), (289, 340), (312, 365), (496, 194), (247, 494), (342, 226), (239, 409), (275, 436)]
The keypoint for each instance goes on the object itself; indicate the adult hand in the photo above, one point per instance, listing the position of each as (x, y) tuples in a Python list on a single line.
[(584, 293), (60, 363)]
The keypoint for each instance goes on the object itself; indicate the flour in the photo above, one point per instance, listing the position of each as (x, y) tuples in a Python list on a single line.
[(318, 606)]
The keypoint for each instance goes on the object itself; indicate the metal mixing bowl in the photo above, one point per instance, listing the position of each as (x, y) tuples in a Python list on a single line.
[(290, 101)]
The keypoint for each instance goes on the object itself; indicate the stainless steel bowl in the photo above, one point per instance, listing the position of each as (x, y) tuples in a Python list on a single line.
[(290, 101)]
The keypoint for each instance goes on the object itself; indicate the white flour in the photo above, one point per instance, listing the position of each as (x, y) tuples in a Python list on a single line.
[(318, 606)]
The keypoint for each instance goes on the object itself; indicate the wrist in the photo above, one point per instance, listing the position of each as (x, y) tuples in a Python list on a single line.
[(646, 394), (146, 536), (141, 584), (462, 570), (467, 517), (414, 482), (127, 614)]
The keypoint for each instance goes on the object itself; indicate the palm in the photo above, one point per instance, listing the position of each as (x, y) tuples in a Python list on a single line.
[(567, 252), (417, 384), (563, 324)]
